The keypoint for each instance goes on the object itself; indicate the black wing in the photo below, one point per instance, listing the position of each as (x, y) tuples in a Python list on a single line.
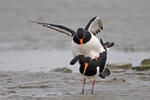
[(102, 57), (75, 59), (101, 41), (102, 61), (59, 28), (95, 25)]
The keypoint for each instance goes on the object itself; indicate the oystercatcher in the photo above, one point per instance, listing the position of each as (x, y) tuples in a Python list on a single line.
[(84, 41), (90, 67)]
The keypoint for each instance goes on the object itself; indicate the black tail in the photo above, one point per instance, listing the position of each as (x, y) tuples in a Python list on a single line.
[(108, 44), (105, 73)]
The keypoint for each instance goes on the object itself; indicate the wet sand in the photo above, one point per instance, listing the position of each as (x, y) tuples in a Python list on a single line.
[(28, 75), (121, 85)]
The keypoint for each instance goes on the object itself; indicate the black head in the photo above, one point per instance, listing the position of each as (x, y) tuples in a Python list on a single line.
[(75, 59), (82, 36), (87, 59), (80, 33), (81, 59)]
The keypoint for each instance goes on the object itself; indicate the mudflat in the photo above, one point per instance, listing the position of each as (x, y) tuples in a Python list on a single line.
[(121, 85)]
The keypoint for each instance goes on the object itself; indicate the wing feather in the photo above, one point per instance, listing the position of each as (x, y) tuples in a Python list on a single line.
[(59, 28), (95, 25)]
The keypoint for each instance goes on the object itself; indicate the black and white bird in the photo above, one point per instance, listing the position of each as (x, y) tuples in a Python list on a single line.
[(90, 67), (84, 41)]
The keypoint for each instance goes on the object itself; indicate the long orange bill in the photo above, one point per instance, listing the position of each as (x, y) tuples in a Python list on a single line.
[(85, 67), (81, 42)]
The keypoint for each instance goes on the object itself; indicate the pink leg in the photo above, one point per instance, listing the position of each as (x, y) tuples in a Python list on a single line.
[(93, 83), (83, 86)]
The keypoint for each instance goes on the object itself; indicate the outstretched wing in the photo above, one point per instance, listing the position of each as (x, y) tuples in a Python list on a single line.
[(102, 61), (95, 25), (59, 28)]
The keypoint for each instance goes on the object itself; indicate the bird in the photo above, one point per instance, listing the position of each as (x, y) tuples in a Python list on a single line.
[(84, 40), (91, 67)]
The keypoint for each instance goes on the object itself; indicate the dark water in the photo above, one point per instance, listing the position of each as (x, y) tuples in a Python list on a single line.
[(126, 22)]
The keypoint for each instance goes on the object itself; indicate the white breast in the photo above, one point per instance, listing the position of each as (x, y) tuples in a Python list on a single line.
[(91, 49)]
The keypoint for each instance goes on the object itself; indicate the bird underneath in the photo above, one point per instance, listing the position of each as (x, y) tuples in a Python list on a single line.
[(91, 67)]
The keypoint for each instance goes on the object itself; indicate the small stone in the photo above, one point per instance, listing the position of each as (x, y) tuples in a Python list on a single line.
[(63, 70), (120, 65), (125, 66), (12, 91), (141, 68), (145, 62), (119, 80), (124, 80)]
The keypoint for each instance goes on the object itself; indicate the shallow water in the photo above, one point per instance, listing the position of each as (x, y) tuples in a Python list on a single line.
[(38, 60), (126, 22)]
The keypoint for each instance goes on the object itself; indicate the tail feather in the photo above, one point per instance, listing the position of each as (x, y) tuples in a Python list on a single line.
[(108, 44), (105, 73)]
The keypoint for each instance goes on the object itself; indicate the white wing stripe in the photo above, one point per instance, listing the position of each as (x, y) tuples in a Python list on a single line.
[(95, 25)]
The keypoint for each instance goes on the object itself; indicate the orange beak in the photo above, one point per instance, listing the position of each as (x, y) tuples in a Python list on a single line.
[(85, 67), (81, 42)]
